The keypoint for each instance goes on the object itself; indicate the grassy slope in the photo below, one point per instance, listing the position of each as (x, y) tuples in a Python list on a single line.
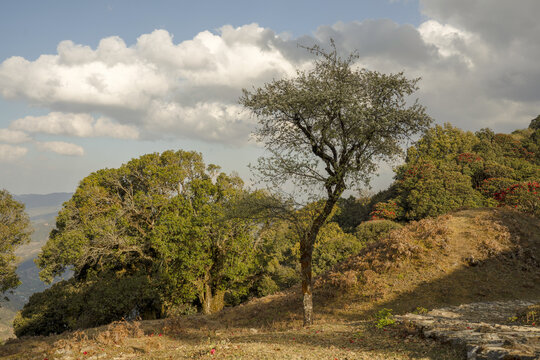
[(473, 255)]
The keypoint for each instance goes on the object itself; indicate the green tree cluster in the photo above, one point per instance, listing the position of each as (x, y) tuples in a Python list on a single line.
[(161, 217), (160, 235), (449, 169)]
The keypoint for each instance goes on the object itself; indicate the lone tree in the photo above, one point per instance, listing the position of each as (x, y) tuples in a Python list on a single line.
[(15, 230), (327, 129)]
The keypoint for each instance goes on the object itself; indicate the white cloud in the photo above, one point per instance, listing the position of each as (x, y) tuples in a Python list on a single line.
[(448, 40), (160, 88), (60, 147), (155, 75), (80, 125), (498, 22), (13, 136), (9, 153)]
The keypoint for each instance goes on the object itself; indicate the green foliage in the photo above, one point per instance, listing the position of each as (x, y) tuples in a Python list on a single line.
[(522, 196), (71, 305), (332, 247), (535, 123), (15, 230), (327, 129), (352, 211), (420, 310), (384, 318), (442, 143), (371, 231), (164, 216), (277, 260), (279, 254), (449, 169), (490, 187), (428, 189)]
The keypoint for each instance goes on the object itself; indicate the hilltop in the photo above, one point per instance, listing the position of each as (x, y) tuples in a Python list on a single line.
[(462, 257)]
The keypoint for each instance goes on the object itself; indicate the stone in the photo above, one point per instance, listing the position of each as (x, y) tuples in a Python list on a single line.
[(481, 329)]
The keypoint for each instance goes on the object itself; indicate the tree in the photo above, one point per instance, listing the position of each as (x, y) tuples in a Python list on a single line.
[(161, 216), (327, 129), (535, 123), (15, 230)]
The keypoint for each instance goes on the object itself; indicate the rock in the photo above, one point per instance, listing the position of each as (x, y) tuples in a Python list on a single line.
[(481, 329)]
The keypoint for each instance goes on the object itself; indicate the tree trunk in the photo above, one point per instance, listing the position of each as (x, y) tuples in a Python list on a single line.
[(211, 303), (306, 255), (206, 299), (307, 286)]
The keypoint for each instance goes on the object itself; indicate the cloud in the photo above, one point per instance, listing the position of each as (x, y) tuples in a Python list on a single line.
[(160, 88), (13, 136), (499, 41), (375, 39), (498, 22), (9, 153), (60, 147), (154, 76), (79, 125)]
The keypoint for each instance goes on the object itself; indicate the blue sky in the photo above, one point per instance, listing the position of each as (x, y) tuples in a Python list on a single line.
[(88, 85)]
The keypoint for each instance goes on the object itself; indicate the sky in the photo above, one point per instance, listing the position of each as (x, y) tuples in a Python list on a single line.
[(86, 85)]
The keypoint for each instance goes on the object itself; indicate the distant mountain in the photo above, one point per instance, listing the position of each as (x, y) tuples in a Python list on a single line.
[(42, 210), (43, 207), (39, 200)]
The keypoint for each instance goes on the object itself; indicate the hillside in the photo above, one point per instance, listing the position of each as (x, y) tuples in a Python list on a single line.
[(463, 257)]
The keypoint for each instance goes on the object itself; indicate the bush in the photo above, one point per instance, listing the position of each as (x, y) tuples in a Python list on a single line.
[(68, 305), (370, 231), (492, 186), (352, 211), (523, 196), (497, 170), (430, 189), (332, 247), (388, 210)]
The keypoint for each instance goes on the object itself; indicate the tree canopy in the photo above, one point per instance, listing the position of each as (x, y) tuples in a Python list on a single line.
[(156, 226), (449, 169), (327, 129)]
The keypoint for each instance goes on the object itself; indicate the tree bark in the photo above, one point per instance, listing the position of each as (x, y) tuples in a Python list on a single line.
[(307, 286), (211, 303), (206, 299), (306, 256)]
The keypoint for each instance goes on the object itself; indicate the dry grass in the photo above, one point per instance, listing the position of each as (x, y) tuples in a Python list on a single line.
[(469, 256), (324, 341)]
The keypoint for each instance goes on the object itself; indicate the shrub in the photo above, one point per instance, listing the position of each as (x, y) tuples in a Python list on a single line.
[(522, 196), (370, 231), (68, 305), (332, 247), (388, 210), (432, 189), (496, 170), (492, 186)]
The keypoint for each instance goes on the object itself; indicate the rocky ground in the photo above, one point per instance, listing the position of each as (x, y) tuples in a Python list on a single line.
[(488, 330)]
